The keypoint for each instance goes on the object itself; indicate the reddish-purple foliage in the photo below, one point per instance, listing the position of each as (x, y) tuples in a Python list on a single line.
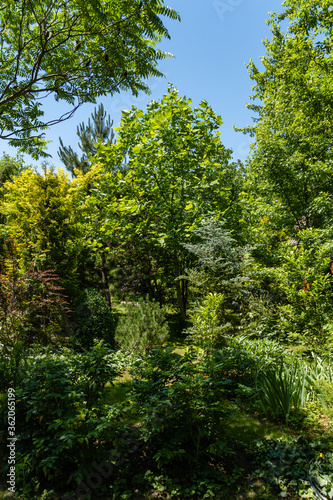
[(33, 292)]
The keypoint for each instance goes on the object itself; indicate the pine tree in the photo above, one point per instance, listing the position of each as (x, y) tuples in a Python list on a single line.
[(100, 129)]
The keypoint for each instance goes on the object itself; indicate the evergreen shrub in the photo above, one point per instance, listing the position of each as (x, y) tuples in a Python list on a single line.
[(94, 318), (143, 326)]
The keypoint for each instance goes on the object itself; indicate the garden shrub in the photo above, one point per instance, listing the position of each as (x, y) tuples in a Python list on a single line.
[(304, 278), (184, 421), (32, 305), (223, 269), (206, 331), (242, 359), (94, 318), (142, 327), (261, 318), (59, 420)]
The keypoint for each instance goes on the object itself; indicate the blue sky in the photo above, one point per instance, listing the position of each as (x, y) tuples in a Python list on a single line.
[(211, 45)]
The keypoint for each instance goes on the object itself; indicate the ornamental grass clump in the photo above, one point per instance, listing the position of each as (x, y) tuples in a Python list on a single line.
[(283, 388), (292, 385)]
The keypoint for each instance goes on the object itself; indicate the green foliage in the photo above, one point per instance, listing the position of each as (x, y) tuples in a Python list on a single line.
[(242, 359), (43, 217), (9, 168), (206, 331), (184, 419), (324, 389), (284, 464), (125, 360), (305, 280), (99, 130), (321, 476), (261, 318), (223, 266), (292, 384), (143, 327), (283, 389), (94, 318), (156, 205), (292, 155), (10, 363), (87, 49), (59, 418), (32, 306)]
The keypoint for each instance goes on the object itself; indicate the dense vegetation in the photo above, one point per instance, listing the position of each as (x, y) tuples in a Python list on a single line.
[(166, 319)]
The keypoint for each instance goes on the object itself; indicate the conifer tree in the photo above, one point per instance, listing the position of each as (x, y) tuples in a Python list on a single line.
[(100, 129)]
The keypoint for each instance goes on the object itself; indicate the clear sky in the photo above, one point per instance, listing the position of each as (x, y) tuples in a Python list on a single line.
[(211, 45)]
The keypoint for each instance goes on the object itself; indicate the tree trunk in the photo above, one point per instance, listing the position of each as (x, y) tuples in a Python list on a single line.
[(181, 287), (105, 281)]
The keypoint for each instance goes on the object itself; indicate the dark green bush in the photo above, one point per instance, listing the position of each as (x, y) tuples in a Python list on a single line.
[(59, 420), (10, 364), (243, 358), (184, 419), (143, 326), (94, 318)]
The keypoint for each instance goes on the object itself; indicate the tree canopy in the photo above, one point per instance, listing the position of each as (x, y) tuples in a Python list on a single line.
[(100, 129), (177, 172), (76, 50), (292, 155)]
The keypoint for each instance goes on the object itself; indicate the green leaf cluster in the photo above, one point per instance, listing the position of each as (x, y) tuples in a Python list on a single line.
[(76, 51), (94, 318)]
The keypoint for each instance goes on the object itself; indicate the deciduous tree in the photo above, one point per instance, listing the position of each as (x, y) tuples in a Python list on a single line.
[(177, 171), (75, 50), (292, 155)]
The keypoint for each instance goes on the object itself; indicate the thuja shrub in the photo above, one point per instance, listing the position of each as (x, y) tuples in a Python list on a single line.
[(142, 327), (94, 318)]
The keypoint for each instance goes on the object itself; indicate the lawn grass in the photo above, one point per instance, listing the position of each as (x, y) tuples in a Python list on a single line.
[(247, 428)]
